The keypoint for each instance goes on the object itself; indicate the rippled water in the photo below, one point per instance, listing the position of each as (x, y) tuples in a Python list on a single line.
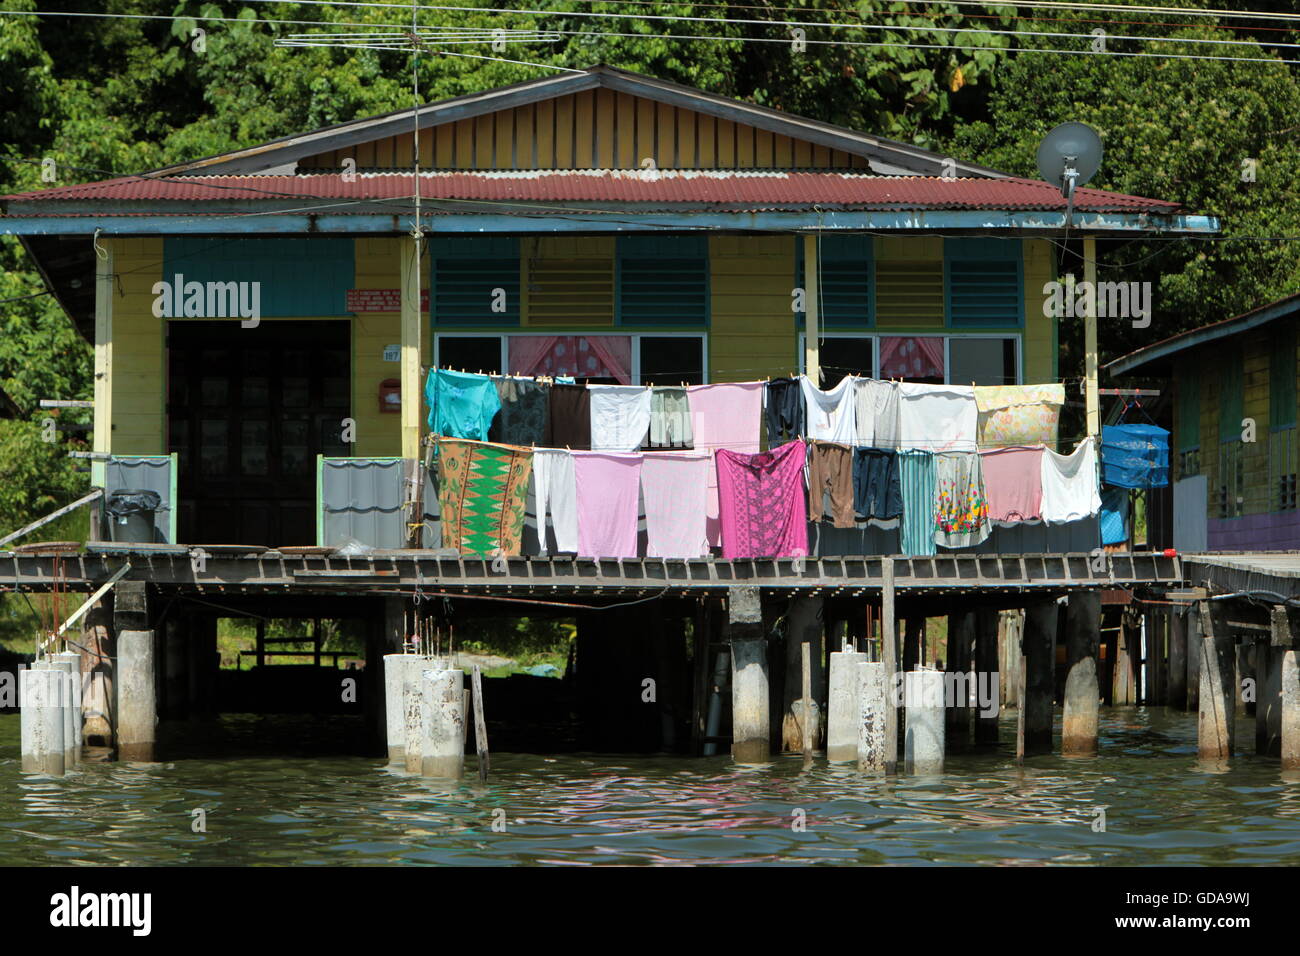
[(596, 809)]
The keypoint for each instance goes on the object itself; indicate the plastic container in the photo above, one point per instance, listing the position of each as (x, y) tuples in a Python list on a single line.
[(131, 514)]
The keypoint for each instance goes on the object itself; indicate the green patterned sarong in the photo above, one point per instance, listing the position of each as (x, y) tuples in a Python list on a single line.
[(482, 493)]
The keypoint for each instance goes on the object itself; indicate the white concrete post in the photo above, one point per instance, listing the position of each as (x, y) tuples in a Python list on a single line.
[(844, 706), (924, 701), (41, 719), (874, 706)]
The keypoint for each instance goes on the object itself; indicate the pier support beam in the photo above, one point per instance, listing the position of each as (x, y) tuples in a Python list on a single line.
[(41, 721), (137, 699), (1217, 714), (750, 724), (1038, 682), (961, 649), (987, 676), (1177, 660), (844, 706), (924, 738), (875, 701), (804, 624), (1082, 690), (1290, 680)]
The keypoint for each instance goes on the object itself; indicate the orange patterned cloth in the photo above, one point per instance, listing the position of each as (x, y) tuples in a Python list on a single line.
[(482, 493)]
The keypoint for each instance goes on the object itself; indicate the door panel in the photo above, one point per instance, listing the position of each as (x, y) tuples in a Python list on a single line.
[(248, 412)]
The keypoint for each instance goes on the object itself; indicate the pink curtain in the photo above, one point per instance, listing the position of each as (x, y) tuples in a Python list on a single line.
[(911, 357), (582, 356)]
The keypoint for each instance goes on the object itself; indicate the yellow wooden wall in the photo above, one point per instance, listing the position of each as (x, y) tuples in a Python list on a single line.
[(139, 371), (595, 129), (1040, 346), (753, 327)]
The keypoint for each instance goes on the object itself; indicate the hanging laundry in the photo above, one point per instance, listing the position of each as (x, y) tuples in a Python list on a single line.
[(936, 418), (916, 479), (570, 419), (674, 487), (482, 491), (620, 417), (961, 517), (1013, 482), (832, 415), (785, 413), (1018, 414), (461, 404), (876, 414), (609, 491), (1070, 484), (525, 410), (877, 492), (1134, 456), (1114, 516), (556, 492), (727, 415), (830, 476), (763, 506), (670, 417)]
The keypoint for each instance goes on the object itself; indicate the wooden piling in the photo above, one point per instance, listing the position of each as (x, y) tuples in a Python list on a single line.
[(480, 724), (1193, 659), (961, 649), (1216, 721), (804, 624), (1082, 690), (1177, 687), (1036, 703), (987, 676), (1124, 673), (807, 717), (750, 741), (1244, 666), (913, 635), (1268, 703)]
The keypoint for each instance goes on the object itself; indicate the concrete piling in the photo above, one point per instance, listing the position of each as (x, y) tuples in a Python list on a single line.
[(69, 663), (874, 703), (1290, 693), (1268, 703), (1193, 659), (1217, 713), (137, 700), (1082, 690), (924, 737), (42, 720), (889, 656), (394, 706), (750, 721), (1037, 681), (442, 721), (844, 706)]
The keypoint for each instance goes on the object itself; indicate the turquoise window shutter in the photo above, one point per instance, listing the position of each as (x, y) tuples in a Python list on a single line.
[(474, 281), (984, 283), (662, 280), (847, 281), (298, 277)]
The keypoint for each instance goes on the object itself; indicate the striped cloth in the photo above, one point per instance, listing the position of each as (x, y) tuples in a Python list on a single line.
[(916, 475), (482, 495)]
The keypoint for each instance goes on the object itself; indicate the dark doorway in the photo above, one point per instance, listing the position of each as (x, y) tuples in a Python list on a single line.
[(248, 411)]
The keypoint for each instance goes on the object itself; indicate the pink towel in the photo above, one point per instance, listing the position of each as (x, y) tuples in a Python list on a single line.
[(608, 488), (1013, 483), (729, 416), (675, 487), (764, 507)]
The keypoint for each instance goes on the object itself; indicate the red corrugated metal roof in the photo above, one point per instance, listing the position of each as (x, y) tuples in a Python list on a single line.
[(745, 189)]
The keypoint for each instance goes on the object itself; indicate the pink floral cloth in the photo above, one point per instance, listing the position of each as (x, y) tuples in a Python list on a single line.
[(764, 510)]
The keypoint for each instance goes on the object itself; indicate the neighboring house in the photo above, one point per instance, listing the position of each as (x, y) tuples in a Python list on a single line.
[(1234, 445), (675, 233)]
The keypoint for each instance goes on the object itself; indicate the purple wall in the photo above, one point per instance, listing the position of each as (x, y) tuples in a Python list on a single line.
[(1277, 531)]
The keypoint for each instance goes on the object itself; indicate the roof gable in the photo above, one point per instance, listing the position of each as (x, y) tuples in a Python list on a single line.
[(600, 118)]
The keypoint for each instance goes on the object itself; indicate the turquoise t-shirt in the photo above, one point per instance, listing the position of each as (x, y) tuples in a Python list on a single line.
[(461, 404)]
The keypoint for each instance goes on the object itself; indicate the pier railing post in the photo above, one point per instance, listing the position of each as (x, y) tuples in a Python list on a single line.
[(1082, 690), (750, 722)]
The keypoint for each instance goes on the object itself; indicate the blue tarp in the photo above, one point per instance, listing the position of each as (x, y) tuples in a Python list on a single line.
[(1114, 516), (1134, 456)]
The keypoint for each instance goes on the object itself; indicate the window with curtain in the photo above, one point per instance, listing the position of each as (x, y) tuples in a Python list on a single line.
[(917, 358)]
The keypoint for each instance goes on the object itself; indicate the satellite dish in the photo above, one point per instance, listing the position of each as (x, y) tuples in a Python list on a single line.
[(1069, 156)]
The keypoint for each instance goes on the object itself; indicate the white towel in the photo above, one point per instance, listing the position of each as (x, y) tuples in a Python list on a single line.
[(831, 416), (1070, 484), (554, 487), (937, 417), (620, 417)]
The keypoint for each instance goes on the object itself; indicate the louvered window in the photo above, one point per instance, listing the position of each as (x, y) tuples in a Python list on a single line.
[(663, 280), (570, 291), (909, 293), (844, 280), (985, 284), (475, 281)]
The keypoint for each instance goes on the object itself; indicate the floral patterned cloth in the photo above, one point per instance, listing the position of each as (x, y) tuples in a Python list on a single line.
[(1018, 414), (961, 511)]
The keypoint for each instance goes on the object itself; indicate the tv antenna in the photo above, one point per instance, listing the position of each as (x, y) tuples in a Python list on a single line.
[(1068, 157)]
